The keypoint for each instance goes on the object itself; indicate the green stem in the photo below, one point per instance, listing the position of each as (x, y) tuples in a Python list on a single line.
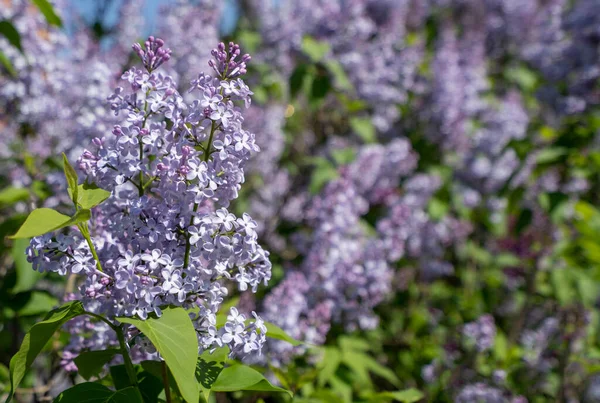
[(150, 181), (165, 378), (141, 179), (186, 257), (86, 234), (124, 352), (210, 139), (103, 319), (126, 359)]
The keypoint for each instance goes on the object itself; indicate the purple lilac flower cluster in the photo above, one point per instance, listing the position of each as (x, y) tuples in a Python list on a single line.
[(365, 38), (347, 267), (166, 237), (56, 100)]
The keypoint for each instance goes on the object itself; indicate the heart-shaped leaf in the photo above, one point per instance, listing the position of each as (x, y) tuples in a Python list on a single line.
[(209, 367), (174, 337)]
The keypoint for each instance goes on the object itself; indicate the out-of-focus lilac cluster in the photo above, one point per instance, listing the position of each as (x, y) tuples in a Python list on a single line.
[(348, 266), (367, 38), (57, 100), (165, 237), (481, 333), (480, 392)]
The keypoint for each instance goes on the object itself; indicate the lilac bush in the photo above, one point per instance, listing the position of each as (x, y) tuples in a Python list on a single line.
[(425, 184)]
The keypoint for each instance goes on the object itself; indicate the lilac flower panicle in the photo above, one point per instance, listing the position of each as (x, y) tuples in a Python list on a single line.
[(166, 236)]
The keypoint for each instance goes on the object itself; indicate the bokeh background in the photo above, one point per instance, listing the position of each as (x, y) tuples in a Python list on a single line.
[(427, 184)]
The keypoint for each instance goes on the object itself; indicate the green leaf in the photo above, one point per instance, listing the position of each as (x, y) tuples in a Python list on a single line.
[(90, 363), (38, 303), (89, 196), (5, 61), (119, 376), (587, 289), (525, 218), (249, 40), (356, 357), (341, 388), (437, 208), (11, 34), (12, 195), (522, 76), (275, 332), (356, 361), (364, 128), (562, 281), (348, 343), (344, 156), (329, 364), (48, 11), (175, 338), (36, 339), (72, 179), (208, 368), (376, 368), (320, 87), (506, 260), (44, 220), (339, 75), (500, 347), (551, 154), (297, 79), (405, 396), (90, 392), (315, 50), (323, 396), (150, 384), (242, 377), (26, 276), (321, 176), (80, 216)]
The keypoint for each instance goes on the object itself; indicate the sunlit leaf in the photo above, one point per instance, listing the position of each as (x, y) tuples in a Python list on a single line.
[(36, 338), (44, 220), (175, 338), (242, 377)]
